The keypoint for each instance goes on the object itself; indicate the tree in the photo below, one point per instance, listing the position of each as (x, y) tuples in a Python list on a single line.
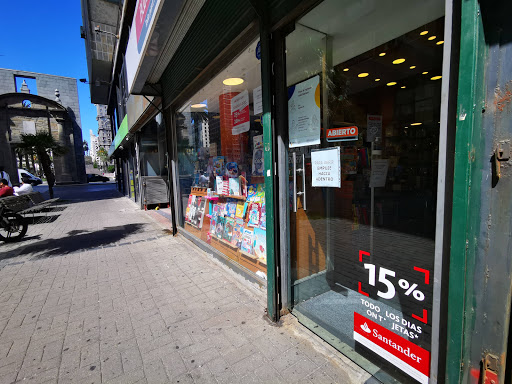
[(103, 155), (44, 146), (86, 146)]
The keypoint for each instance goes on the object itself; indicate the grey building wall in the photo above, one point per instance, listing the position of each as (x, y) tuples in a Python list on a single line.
[(46, 86)]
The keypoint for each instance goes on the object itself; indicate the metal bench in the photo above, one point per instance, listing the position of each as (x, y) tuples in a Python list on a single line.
[(29, 203)]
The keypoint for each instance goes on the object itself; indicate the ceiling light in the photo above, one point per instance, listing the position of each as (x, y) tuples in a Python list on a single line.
[(345, 69), (440, 42), (377, 79), (432, 37), (424, 73), (398, 61), (233, 81), (423, 33), (436, 77), (364, 74), (412, 67), (200, 105), (391, 83), (403, 86), (406, 127), (416, 123), (382, 54)]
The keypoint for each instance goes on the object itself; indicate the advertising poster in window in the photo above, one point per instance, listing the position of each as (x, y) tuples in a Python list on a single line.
[(304, 113), (394, 313), (240, 113)]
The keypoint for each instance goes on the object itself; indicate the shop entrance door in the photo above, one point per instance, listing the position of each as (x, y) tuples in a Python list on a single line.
[(364, 107)]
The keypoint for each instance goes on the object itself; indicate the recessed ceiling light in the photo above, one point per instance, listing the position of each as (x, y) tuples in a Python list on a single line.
[(423, 33), (377, 79), (440, 42), (382, 54), (432, 37), (436, 77), (412, 67), (416, 123), (364, 74), (391, 83), (406, 127), (233, 81), (345, 69), (200, 105), (398, 61), (424, 73)]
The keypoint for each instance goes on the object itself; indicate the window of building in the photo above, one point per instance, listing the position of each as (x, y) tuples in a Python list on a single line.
[(220, 161)]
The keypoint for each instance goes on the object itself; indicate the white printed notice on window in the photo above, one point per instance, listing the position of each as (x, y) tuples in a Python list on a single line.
[(304, 113), (326, 168)]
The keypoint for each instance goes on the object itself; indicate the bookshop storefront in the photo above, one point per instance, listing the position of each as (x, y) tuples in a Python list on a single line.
[(220, 182), (356, 130)]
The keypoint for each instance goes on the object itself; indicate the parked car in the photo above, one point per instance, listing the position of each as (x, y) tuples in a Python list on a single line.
[(28, 178), (92, 177)]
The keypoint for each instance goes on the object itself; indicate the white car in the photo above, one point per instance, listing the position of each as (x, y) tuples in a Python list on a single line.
[(28, 178)]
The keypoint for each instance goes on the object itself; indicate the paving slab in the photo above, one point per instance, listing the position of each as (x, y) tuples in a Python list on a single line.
[(101, 292)]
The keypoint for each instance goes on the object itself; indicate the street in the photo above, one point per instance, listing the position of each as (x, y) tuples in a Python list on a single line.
[(100, 291)]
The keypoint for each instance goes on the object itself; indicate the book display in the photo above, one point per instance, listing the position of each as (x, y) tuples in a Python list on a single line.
[(230, 213)]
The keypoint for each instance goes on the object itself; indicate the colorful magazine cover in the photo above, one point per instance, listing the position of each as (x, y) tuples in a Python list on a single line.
[(237, 233), (234, 186), (247, 238), (219, 229), (222, 209), (239, 210), (260, 244), (231, 169), (187, 211), (254, 215), (215, 211), (228, 229), (263, 217), (231, 208), (213, 225), (218, 166), (219, 185), (251, 192)]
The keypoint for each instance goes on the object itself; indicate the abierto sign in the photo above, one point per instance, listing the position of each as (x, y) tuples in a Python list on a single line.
[(409, 357), (342, 134)]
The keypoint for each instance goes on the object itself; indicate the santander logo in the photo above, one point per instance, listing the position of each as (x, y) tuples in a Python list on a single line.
[(366, 328)]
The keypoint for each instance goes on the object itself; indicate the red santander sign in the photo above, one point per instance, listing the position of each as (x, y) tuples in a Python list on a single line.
[(409, 357), (342, 133)]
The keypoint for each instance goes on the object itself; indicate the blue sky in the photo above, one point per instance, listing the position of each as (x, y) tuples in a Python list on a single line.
[(44, 37)]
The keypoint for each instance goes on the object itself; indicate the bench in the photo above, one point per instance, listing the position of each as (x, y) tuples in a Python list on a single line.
[(29, 203)]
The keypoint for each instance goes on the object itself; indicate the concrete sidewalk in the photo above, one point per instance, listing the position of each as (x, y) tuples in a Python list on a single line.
[(103, 293)]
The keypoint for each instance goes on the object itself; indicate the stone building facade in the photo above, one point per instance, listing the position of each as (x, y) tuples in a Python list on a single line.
[(55, 108)]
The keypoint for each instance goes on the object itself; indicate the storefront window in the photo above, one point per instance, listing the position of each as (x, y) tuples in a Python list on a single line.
[(364, 86), (220, 162)]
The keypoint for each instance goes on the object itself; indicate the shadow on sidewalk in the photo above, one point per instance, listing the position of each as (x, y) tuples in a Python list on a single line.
[(73, 242)]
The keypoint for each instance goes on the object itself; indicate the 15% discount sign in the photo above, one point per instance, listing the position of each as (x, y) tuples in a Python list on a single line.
[(382, 275)]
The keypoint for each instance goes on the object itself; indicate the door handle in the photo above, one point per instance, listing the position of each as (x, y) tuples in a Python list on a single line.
[(304, 181), (294, 161)]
